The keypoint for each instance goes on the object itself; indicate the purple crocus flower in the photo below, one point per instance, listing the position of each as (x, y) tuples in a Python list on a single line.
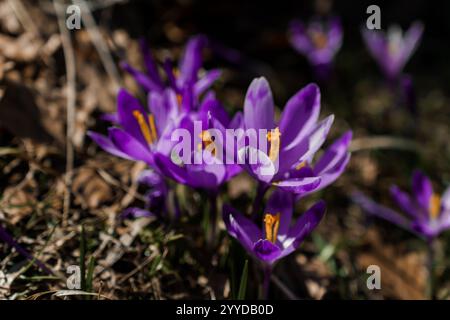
[(286, 153), (156, 203), (146, 135), (278, 237), (426, 213), (184, 78), (318, 42), (8, 239), (392, 50), (203, 168), (139, 133)]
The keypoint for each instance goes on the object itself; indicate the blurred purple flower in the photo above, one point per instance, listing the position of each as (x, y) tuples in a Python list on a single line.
[(318, 42), (278, 237), (181, 79), (393, 49), (427, 213), (293, 141), (8, 239), (156, 204)]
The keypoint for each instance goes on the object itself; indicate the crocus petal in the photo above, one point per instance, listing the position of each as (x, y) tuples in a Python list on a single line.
[(126, 105), (445, 200), (106, 144), (213, 108), (191, 61), (170, 169), (110, 117), (317, 137), (300, 114), (299, 186), (158, 108), (380, 211), (281, 202), (304, 150), (168, 68), (142, 79), (240, 227), (135, 212), (298, 38), (150, 178), (130, 146), (257, 163), (208, 176), (149, 62), (258, 106), (404, 202), (237, 121), (422, 189), (411, 40), (266, 251), (333, 153), (330, 176), (206, 81), (303, 227)]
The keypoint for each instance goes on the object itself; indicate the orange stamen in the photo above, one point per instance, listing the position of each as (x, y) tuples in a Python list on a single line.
[(273, 136), (151, 120), (143, 125), (272, 224), (435, 206)]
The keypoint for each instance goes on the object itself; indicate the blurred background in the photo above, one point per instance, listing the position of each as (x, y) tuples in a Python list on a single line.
[(145, 259)]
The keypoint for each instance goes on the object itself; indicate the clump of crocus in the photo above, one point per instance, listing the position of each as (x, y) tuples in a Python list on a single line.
[(279, 236), (287, 152), (319, 42), (427, 213), (393, 49), (183, 80)]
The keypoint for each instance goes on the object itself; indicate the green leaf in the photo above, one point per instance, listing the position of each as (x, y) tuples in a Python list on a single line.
[(90, 274), (243, 284), (82, 259)]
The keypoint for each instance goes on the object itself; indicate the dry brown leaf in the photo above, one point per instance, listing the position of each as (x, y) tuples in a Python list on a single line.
[(24, 48), (17, 204), (90, 189), (403, 274)]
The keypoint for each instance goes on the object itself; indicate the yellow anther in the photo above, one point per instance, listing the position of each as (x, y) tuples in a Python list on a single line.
[(179, 100), (151, 120), (176, 72), (300, 165), (435, 206), (273, 136), (319, 39), (206, 141), (272, 224), (143, 125)]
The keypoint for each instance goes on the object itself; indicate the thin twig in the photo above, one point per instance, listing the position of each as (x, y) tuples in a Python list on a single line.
[(23, 16), (98, 41), (382, 142), (69, 58)]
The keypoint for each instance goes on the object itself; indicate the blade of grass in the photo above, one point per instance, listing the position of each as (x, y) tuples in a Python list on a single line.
[(82, 259), (243, 284), (90, 274)]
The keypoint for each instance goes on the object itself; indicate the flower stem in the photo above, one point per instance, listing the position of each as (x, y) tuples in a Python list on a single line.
[(213, 215), (266, 283), (431, 290), (260, 192)]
